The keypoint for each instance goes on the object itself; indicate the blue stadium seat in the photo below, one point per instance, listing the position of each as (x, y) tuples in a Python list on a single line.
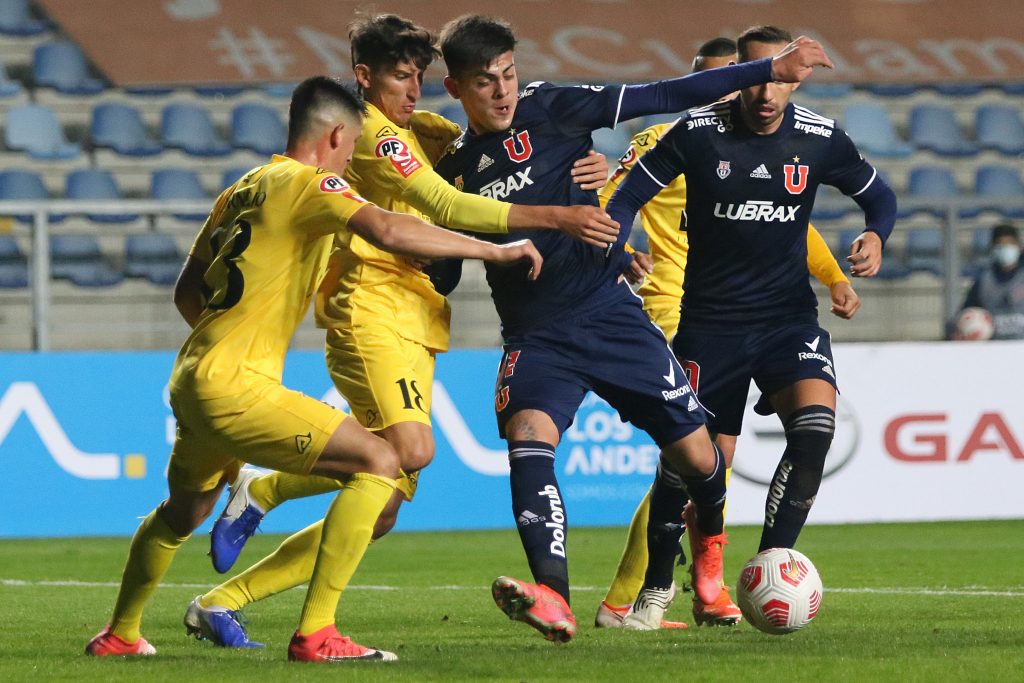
[(61, 65), (120, 127), (893, 266), (178, 183), (16, 19), (930, 182), (22, 185), (934, 127), (92, 183), (153, 256), (891, 89), (999, 127), (280, 91), (190, 128), (78, 258), (220, 90), (612, 143), (958, 89), (1003, 182), (824, 91), (1013, 88), (34, 129), (454, 112), (924, 250), (871, 128), (13, 264), (8, 88), (259, 128)]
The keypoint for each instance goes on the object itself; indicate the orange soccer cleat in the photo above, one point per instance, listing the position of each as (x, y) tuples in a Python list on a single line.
[(327, 645), (722, 612), (706, 570), (106, 644), (536, 605)]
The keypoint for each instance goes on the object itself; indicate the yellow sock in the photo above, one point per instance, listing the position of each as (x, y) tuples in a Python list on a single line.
[(347, 530), (289, 566), (272, 489), (151, 552), (629, 575)]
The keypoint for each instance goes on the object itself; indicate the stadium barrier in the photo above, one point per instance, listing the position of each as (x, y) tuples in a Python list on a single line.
[(84, 442)]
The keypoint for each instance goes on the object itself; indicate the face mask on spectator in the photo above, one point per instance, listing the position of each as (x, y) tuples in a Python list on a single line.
[(1006, 255)]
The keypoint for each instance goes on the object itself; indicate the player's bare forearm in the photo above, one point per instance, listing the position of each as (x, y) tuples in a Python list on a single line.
[(590, 224), (188, 290)]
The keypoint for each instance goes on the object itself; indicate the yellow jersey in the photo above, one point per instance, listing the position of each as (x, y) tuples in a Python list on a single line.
[(393, 168), (662, 216), (267, 241)]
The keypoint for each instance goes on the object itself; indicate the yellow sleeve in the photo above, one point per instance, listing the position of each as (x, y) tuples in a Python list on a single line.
[(327, 205), (432, 196), (202, 249), (820, 261), (640, 143), (434, 133)]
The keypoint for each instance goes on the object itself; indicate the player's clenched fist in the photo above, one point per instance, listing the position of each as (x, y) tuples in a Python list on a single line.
[(798, 59), (521, 251), (590, 224)]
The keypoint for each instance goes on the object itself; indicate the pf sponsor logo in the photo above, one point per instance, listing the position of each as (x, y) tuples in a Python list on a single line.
[(518, 146), (795, 177), (629, 157), (402, 158), (24, 398), (332, 184)]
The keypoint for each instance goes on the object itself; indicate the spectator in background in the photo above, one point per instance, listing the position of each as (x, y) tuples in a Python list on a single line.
[(999, 290)]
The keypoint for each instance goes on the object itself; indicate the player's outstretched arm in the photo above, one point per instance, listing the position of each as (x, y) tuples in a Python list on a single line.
[(798, 59), (188, 290), (407, 235), (590, 224)]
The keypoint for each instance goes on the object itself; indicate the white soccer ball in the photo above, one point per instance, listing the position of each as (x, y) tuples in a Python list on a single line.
[(779, 591), (974, 324)]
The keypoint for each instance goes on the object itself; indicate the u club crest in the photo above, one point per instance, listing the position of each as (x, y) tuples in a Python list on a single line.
[(796, 177), (724, 169)]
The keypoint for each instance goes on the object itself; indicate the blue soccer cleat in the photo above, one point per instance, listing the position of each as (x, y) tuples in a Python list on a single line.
[(236, 524), (219, 625)]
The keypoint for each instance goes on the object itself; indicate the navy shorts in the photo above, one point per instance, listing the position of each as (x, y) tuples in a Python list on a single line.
[(616, 352), (721, 363)]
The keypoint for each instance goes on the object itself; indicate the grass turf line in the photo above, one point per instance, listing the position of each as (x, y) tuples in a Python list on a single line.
[(960, 633)]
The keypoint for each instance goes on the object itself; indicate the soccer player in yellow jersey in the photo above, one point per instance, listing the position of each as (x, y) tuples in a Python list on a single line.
[(661, 292), (385, 321), (259, 258)]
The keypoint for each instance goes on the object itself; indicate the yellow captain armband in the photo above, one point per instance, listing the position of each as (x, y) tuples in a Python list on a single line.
[(629, 248), (429, 194)]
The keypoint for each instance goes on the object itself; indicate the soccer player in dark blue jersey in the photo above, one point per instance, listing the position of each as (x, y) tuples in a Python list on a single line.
[(577, 328), (752, 166)]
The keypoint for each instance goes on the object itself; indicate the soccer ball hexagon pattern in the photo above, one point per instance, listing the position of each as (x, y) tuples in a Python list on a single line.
[(779, 591)]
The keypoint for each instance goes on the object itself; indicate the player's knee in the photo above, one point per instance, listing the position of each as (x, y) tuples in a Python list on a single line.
[(380, 458), (415, 454), (809, 432)]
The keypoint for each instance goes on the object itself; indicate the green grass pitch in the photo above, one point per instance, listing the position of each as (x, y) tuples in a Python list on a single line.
[(903, 602)]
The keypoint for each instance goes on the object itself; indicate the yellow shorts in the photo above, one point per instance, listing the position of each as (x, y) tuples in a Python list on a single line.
[(385, 379), (664, 311), (269, 426)]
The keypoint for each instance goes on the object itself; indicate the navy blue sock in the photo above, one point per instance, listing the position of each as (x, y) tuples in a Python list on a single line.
[(664, 527), (708, 494), (539, 512), (794, 487)]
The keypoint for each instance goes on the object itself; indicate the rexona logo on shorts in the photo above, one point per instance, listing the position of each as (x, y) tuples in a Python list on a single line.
[(24, 398), (401, 156)]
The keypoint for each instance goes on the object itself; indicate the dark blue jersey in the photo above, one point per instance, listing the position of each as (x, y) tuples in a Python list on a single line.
[(531, 163), (749, 198)]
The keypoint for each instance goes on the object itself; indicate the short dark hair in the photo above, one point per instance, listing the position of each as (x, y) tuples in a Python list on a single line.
[(316, 94), (382, 41), (1005, 230), (473, 41), (761, 34), (716, 47)]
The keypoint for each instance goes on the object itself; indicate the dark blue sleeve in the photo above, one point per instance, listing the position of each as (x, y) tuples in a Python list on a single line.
[(650, 175), (879, 204), (584, 108), (855, 177), (694, 90)]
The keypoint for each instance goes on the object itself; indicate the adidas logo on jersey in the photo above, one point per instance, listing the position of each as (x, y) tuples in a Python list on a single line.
[(692, 405), (761, 172), (526, 518), (485, 162), (757, 210)]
